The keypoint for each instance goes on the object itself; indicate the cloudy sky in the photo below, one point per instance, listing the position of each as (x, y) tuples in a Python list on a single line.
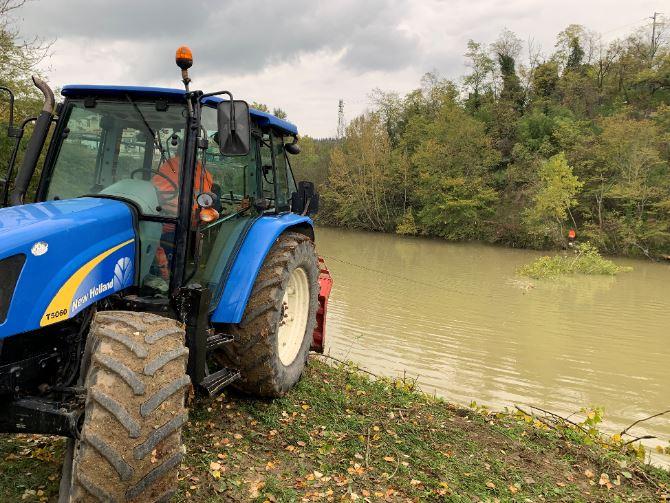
[(302, 55)]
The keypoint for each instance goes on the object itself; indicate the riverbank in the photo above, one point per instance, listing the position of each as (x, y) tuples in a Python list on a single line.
[(340, 435), (636, 253)]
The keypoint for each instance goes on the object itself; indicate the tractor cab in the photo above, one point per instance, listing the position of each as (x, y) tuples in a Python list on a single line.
[(130, 144)]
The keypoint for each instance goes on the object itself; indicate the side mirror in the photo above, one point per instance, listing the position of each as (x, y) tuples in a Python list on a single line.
[(234, 126), (305, 201), (293, 148)]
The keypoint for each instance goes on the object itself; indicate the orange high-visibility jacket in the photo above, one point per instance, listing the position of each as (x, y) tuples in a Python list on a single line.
[(170, 169)]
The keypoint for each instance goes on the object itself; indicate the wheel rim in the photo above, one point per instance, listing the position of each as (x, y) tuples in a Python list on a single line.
[(294, 313)]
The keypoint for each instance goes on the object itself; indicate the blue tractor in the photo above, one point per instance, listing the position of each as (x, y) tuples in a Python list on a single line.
[(168, 248)]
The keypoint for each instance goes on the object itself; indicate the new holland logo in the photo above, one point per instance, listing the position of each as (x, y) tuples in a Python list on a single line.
[(39, 248), (123, 273)]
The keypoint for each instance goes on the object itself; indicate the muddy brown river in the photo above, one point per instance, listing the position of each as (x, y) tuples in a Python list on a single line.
[(458, 317)]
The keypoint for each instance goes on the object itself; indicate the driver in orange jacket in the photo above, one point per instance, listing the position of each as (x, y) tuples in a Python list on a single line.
[(167, 184)]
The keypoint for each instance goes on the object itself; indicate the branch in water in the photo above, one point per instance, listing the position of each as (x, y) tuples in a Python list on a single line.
[(625, 431), (643, 437)]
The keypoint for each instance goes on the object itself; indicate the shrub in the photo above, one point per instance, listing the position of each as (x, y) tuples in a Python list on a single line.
[(586, 260)]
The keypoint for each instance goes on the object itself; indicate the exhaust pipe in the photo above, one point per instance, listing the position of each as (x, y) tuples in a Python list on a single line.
[(35, 144)]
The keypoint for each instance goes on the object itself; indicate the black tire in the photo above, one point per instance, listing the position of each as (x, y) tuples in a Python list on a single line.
[(255, 349), (130, 447)]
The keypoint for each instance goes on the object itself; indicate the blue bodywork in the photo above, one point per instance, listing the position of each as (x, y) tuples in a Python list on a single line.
[(82, 250), (78, 235), (91, 254), (248, 262), (261, 118)]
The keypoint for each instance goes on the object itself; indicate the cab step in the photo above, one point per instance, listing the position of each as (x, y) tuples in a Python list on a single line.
[(214, 383), (215, 341)]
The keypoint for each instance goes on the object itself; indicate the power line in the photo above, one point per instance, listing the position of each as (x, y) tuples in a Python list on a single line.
[(624, 26)]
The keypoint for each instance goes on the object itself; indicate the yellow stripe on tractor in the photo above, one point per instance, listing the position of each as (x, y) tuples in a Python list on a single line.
[(59, 308)]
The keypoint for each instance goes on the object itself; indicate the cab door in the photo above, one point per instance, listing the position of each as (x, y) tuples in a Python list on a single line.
[(236, 186)]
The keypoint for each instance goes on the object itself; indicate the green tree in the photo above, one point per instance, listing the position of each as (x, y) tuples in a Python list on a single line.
[(18, 63), (312, 162), (451, 163), (261, 107), (556, 194), (544, 83), (479, 82), (280, 113), (632, 190), (508, 107), (362, 190)]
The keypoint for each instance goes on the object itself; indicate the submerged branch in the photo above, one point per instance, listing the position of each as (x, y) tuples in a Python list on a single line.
[(643, 437), (625, 430)]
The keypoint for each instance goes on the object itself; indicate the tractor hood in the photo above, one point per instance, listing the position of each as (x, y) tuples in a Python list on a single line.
[(58, 257)]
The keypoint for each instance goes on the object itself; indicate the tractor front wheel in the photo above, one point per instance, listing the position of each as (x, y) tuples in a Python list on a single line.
[(130, 447), (272, 342)]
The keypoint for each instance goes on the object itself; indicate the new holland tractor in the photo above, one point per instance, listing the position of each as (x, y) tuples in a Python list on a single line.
[(168, 248)]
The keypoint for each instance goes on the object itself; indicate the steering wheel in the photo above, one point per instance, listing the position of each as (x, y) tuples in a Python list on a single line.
[(164, 195)]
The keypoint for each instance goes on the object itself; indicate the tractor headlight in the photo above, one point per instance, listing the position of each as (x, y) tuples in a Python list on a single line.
[(10, 268)]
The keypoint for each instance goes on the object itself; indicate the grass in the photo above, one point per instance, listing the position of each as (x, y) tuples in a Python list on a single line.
[(341, 436), (586, 260)]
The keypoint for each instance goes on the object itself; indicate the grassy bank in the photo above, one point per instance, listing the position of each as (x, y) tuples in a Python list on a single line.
[(340, 436)]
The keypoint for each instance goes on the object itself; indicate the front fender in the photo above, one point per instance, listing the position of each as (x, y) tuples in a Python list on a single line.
[(249, 261), (76, 251)]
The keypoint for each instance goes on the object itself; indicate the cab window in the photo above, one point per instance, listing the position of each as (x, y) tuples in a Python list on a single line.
[(277, 182), (281, 167), (116, 148)]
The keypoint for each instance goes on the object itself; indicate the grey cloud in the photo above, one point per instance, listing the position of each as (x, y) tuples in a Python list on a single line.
[(233, 37)]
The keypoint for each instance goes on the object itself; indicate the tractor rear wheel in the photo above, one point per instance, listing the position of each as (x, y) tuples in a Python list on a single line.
[(272, 342), (130, 447)]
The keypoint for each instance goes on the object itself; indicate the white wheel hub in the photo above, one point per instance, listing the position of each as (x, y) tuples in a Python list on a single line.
[(295, 311)]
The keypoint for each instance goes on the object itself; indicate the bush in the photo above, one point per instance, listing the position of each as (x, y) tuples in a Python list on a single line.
[(407, 225), (586, 260)]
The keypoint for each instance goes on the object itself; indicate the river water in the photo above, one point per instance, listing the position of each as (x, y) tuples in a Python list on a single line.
[(458, 317)]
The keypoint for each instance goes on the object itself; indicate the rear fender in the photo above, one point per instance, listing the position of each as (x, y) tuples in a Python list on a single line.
[(249, 260)]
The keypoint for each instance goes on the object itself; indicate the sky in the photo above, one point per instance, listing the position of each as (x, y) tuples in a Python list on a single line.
[(304, 55)]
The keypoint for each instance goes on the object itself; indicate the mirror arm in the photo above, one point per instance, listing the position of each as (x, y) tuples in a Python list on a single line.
[(306, 210), (233, 126)]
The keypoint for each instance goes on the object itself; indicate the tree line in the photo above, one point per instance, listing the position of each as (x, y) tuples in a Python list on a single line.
[(517, 151)]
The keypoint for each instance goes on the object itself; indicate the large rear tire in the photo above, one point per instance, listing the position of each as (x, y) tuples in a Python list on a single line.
[(130, 446), (272, 342)]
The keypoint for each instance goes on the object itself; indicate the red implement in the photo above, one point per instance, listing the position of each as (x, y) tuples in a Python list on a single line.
[(326, 284)]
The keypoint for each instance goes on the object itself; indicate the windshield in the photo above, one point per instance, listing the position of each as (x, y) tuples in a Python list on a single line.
[(121, 148)]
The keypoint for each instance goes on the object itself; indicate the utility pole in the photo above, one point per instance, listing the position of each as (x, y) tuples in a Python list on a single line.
[(653, 34), (341, 128)]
